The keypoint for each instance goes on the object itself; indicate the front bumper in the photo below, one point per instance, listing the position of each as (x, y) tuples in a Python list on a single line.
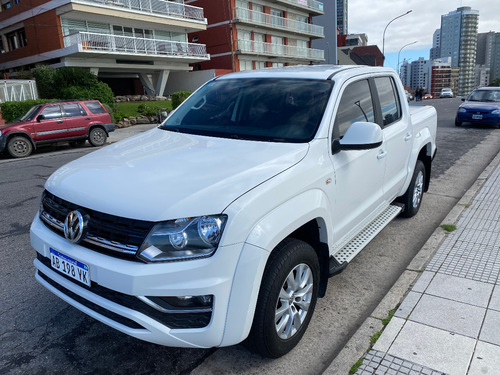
[(109, 128), (486, 118), (3, 142), (116, 284)]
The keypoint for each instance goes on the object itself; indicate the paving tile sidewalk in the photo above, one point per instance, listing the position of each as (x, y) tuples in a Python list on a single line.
[(449, 323)]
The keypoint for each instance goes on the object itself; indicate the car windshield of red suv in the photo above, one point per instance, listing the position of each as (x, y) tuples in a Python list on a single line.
[(30, 115)]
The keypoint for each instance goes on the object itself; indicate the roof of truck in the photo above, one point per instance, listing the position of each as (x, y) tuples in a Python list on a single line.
[(306, 71)]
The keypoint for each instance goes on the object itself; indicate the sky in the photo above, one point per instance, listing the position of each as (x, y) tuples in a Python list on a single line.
[(370, 17)]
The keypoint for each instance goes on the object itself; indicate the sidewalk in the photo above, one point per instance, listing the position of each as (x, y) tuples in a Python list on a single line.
[(449, 322)]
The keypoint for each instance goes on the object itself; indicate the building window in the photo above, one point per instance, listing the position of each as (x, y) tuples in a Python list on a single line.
[(16, 39)]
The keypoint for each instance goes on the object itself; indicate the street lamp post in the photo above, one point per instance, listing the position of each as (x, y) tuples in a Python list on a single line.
[(383, 37), (406, 45)]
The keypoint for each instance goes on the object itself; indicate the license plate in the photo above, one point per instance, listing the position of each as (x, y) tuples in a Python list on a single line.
[(70, 267), (477, 117)]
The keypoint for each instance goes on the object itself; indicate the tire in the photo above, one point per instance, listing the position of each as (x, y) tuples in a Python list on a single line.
[(412, 199), (78, 143), (97, 137), (457, 123), (273, 333), (19, 147)]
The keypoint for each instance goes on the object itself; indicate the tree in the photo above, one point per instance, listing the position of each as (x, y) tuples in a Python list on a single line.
[(496, 82)]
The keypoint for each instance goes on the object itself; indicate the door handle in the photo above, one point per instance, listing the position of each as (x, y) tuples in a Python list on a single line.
[(87, 118), (382, 154), (408, 137), (59, 122)]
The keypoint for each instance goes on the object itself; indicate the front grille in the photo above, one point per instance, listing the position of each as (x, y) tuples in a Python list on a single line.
[(171, 319), (118, 236)]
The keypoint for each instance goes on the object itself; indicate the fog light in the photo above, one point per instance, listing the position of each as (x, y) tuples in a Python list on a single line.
[(189, 301)]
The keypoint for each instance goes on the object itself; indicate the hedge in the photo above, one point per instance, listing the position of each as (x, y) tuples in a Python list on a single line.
[(179, 97), (13, 110)]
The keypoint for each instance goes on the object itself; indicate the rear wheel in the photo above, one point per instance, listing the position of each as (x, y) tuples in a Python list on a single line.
[(19, 147), (97, 137), (287, 298), (412, 199)]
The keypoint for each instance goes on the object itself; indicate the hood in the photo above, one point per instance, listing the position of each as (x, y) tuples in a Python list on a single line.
[(160, 175), (484, 106)]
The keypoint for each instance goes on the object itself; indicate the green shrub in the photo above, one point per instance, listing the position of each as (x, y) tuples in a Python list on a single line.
[(13, 110), (99, 91), (44, 77), (179, 97), (146, 109)]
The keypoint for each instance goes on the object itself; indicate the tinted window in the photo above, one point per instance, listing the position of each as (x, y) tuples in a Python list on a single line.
[(52, 111), (73, 110), (30, 115), (276, 110), (356, 105), (95, 107), (391, 110)]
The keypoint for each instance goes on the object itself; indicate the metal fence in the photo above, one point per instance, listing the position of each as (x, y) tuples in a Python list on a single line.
[(163, 7), (17, 90), (126, 44), (250, 46)]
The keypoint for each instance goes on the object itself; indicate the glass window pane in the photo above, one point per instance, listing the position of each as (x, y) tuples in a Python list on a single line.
[(356, 105), (391, 110), (52, 112), (73, 110)]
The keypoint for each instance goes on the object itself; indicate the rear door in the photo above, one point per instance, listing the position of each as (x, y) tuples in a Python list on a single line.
[(76, 119), (398, 136)]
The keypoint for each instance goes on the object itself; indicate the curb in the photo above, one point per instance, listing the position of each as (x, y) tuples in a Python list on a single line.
[(359, 343)]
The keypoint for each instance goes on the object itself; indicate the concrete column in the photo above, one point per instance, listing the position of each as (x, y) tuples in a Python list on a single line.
[(147, 83), (160, 79)]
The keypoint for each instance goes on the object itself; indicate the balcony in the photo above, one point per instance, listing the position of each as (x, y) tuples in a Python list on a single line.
[(156, 7), (125, 45), (281, 23), (312, 6), (278, 50)]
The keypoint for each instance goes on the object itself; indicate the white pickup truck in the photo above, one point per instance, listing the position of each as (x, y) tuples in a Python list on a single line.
[(225, 222)]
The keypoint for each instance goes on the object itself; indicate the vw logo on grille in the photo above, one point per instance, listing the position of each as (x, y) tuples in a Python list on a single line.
[(75, 226)]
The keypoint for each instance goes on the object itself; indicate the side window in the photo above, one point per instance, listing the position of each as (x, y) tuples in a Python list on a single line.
[(356, 105), (95, 107), (51, 112), (389, 103), (73, 110)]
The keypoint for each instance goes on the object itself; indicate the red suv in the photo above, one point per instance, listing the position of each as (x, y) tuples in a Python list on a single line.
[(75, 121)]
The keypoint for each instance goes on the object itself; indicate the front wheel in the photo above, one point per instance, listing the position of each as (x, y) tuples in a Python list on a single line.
[(19, 147), (287, 298), (412, 199), (97, 137), (457, 123)]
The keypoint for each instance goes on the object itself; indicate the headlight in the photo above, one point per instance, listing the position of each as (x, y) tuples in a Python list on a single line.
[(462, 110), (183, 239), (496, 112)]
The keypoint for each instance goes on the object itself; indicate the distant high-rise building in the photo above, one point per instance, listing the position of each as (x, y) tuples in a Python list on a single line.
[(458, 41), (435, 52), (495, 59), (342, 16)]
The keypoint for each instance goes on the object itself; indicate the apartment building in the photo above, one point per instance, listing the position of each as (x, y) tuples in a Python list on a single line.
[(246, 35), (126, 43)]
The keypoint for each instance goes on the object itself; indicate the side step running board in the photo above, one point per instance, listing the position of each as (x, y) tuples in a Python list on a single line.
[(340, 259)]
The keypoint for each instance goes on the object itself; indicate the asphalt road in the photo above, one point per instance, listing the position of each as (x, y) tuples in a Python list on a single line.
[(41, 334)]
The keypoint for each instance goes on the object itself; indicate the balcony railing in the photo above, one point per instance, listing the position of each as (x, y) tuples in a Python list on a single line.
[(162, 7), (277, 22), (130, 45), (250, 46), (311, 4)]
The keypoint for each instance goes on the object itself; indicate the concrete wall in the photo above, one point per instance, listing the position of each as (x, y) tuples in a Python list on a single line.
[(187, 81)]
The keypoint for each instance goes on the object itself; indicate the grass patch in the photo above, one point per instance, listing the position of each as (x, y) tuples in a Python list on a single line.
[(128, 109), (355, 367), (449, 227), (375, 337), (389, 317)]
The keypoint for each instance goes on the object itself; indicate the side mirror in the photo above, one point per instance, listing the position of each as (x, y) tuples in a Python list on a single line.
[(463, 99), (359, 136), (40, 118)]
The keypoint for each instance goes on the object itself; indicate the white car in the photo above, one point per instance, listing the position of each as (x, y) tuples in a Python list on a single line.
[(446, 93), (225, 222)]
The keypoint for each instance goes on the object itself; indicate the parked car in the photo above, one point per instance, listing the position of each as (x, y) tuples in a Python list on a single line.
[(409, 96), (446, 93), (482, 106), (225, 222), (72, 121), (427, 96)]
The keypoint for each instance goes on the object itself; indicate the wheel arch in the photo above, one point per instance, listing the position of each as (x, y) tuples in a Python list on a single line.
[(425, 156), (20, 134), (98, 125)]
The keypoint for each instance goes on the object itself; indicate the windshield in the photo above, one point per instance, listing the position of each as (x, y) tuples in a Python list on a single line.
[(485, 96), (30, 115), (274, 110)]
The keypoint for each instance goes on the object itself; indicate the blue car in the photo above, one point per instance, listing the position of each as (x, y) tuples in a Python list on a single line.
[(482, 107)]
